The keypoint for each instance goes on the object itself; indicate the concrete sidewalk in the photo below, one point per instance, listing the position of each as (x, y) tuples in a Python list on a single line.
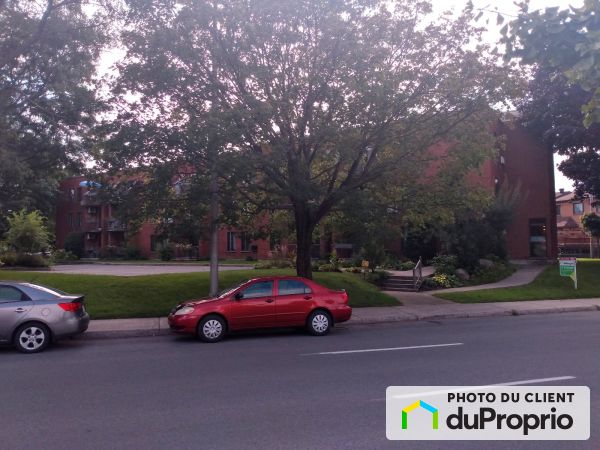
[(159, 326)]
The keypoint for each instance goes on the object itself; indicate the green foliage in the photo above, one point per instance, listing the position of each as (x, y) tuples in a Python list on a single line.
[(12, 259), (63, 256), (377, 277), (75, 243), (445, 280), (48, 55), (374, 253), (329, 267), (591, 224), (486, 275), (274, 264), (219, 75), (167, 252), (132, 252), (566, 41), (445, 264), (27, 232)]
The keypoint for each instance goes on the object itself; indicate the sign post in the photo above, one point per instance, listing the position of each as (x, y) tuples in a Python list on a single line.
[(568, 268)]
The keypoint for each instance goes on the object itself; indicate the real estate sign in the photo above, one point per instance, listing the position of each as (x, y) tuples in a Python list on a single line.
[(568, 268)]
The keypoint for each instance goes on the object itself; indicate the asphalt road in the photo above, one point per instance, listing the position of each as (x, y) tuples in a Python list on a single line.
[(270, 390)]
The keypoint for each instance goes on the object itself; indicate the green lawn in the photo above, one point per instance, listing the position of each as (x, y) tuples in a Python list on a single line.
[(549, 285), (110, 297)]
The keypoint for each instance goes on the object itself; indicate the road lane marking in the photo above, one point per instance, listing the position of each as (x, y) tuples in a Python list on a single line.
[(388, 349), (479, 388)]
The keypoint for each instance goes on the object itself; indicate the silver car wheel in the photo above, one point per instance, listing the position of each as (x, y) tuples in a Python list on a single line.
[(212, 329), (320, 323), (32, 338)]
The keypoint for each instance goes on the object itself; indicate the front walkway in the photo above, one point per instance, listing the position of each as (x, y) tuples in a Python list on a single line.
[(524, 274)]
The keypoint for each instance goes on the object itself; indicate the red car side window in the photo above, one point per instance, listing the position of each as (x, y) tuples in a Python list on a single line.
[(293, 287), (258, 289)]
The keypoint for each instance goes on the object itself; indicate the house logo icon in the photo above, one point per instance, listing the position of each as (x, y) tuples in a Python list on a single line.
[(421, 404)]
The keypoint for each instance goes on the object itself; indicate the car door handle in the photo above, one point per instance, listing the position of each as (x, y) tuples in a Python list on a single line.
[(20, 310), (269, 300), (307, 297)]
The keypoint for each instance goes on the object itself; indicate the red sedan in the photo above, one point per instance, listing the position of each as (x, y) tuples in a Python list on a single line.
[(263, 303)]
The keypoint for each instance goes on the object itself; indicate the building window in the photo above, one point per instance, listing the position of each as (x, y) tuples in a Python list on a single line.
[(245, 241), (558, 210), (156, 242), (78, 221), (578, 208), (231, 241), (70, 220)]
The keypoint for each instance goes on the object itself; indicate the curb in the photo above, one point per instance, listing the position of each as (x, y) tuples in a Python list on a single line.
[(411, 317)]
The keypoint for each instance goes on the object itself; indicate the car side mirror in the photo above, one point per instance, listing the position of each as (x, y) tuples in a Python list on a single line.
[(238, 296)]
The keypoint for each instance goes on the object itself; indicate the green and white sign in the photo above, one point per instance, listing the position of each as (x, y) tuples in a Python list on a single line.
[(568, 268)]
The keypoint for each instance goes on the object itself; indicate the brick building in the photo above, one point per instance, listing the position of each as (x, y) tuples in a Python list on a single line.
[(570, 208), (523, 162), (81, 211)]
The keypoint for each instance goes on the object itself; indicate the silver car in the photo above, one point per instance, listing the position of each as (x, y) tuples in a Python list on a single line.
[(32, 316)]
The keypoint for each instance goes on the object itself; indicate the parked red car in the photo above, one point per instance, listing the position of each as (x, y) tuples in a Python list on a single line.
[(263, 303)]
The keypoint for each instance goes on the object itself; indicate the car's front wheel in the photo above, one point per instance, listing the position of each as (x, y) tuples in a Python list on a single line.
[(212, 328), (319, 323), (32, 337)]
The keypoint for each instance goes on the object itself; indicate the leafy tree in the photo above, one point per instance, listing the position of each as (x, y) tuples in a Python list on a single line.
[(48, 51), (27, 232), (567, 41), (591, 224), (551, 112), (314, 99)]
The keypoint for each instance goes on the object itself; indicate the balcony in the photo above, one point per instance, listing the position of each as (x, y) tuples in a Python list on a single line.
[(115, 225), (90, 198)]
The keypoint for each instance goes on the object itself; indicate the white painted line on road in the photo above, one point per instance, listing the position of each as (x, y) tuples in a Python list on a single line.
[(479, 388), (389, 349)]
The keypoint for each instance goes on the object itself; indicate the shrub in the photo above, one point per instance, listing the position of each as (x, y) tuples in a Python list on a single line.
[(328, 268), (9, 259), (74, 243), (377, 277), (250, 258), (497, 272), (429, 283), (446, 281), (406, 265), (166, 253), (274, 264), (445, 264), (27, 232), (334, 261), (132, 252), (63, 255)]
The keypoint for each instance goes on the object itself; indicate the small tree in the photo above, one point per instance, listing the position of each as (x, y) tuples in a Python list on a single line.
[(27, 232), (591, 224)]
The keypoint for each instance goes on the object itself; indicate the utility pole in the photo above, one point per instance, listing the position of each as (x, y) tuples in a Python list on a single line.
[(214, 227)]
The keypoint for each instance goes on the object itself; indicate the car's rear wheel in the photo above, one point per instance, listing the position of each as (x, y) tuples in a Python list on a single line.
[(212, 328), (319, 323), (32, 337)]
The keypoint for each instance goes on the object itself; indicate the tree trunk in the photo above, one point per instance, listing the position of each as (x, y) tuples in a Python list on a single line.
[(304, 231), (214, 233)]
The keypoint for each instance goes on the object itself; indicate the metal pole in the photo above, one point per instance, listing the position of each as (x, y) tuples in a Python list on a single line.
[(214, 230)]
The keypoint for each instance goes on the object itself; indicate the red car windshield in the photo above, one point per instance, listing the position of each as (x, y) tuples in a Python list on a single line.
[(229, 291)]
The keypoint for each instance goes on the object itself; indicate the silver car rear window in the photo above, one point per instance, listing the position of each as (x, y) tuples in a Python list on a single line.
[(37, 292)]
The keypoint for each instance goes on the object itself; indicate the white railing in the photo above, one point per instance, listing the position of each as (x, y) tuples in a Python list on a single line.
[(418, 275)]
